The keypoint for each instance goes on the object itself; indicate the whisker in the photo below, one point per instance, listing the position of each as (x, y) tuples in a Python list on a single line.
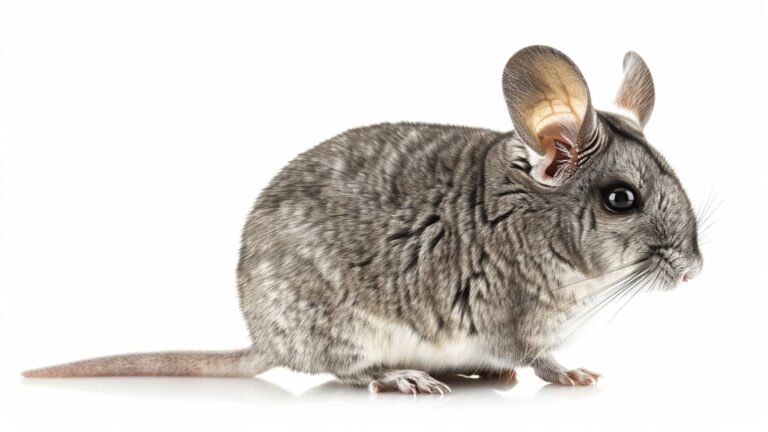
[(562, 309), (536, 299), (605, 294), (603, 274), (707, 204), (623, 288), (702, 209), (710, 212), (637, 290), (588, 296), (582, 317), (656, 281)]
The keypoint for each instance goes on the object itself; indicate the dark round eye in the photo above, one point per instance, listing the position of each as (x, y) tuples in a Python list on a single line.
[(620, 198)]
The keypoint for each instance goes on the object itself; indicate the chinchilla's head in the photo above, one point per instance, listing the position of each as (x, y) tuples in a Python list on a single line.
[(621, 202)]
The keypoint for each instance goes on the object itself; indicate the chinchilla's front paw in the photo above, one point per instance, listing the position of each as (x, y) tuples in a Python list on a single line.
[(551, 371), (577, 377)]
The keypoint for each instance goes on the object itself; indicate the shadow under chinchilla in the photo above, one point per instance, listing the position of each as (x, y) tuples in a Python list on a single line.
[(462, 387), (253, 390)]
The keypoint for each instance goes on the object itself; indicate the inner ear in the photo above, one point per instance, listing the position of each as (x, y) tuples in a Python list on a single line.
[(559, 150), (560, 153)]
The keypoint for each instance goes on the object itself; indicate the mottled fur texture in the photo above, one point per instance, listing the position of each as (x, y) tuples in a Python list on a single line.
[(395, 251)]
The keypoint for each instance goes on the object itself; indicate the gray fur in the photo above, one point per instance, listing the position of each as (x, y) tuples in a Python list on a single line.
[(444, 231)]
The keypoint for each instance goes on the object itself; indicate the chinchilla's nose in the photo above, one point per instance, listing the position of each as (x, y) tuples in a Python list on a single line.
[(693, 269)]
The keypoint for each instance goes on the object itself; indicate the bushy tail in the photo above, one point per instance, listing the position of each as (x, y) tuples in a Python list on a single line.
[(241, 363)]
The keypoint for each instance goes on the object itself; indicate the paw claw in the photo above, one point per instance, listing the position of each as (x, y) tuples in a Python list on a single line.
[(594, 375)]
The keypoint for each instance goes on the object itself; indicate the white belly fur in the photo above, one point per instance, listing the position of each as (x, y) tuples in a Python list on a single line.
[(397, 346)]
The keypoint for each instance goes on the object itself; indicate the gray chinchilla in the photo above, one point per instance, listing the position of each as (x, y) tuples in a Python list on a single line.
[(396, 251)]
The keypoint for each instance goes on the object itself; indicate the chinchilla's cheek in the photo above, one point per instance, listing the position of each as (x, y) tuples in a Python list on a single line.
[(612, 247)]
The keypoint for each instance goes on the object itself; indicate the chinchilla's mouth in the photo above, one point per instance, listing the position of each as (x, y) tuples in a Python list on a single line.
[(665, 269)]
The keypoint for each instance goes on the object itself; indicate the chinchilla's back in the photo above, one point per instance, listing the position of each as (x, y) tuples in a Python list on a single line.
[(355, 225)]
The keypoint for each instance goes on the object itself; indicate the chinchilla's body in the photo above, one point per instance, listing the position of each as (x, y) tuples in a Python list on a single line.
[(403, 230), (380, 235), (396, 251)]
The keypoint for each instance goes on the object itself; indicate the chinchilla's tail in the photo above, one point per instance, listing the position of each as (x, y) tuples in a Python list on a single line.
[(241, 363)]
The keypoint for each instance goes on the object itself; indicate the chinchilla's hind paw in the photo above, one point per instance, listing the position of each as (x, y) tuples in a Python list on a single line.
[(408, 382)]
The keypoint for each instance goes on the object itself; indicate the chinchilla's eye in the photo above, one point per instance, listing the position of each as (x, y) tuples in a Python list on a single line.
[(620, 198)]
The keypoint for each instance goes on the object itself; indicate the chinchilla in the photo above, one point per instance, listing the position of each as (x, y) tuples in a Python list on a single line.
[(394, 253)]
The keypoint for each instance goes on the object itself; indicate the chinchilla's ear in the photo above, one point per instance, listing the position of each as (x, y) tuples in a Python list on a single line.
[(636, 93), (550, 107)]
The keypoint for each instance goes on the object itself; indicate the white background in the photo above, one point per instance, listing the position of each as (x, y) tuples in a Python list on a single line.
[(136, 135)]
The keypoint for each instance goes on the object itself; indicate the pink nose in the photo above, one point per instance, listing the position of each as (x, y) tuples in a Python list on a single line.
[(686, 276)]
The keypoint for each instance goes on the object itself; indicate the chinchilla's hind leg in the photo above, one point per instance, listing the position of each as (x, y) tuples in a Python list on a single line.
[(406, 381)]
